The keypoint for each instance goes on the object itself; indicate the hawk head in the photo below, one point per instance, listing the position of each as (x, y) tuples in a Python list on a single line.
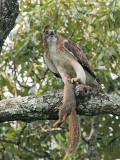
[(50, 37)]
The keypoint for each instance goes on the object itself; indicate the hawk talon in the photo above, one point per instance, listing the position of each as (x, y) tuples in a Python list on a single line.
[(74, 80)]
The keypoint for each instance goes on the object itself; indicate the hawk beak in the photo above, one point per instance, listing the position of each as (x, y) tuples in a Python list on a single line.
[(51, 34)]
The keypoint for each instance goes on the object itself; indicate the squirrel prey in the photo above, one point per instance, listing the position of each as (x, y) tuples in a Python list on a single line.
[(69, 108)]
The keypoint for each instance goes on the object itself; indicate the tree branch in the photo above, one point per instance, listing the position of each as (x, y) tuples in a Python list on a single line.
[(21, 132), (40, 155), (46, 107)]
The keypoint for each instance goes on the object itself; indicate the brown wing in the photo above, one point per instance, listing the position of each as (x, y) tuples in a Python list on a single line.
[(79, 54)]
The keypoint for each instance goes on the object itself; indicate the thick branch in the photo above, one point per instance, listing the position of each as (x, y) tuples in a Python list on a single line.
[(44, 107)]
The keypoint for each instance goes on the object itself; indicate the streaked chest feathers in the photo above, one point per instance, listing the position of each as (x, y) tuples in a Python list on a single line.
[(61, 57)]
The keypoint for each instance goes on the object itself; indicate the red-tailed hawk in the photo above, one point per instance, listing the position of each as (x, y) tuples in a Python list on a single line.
[(66, 60)]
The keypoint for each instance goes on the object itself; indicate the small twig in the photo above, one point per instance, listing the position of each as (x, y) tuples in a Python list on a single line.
[(25, 86), (72, 34), (40, 125), (85, 47), (51, 21), (85, 139), (54, 129), (8, 141), (45, 138), (20, 133), (42, 76), (28, 87), (114, 139), (49, 131), (2, 152), (43, 130), (31, 135), (48, 155), (2, 155)]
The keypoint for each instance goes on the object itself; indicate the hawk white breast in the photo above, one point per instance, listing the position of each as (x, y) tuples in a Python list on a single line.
[(66, 60)]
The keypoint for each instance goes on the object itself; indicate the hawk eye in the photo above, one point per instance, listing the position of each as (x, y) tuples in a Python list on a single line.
[(46, 32)]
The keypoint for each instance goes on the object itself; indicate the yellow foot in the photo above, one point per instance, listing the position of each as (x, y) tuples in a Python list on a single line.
[(74, 80)]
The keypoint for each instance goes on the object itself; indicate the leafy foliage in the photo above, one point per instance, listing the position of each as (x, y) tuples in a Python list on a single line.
[(96, 28)]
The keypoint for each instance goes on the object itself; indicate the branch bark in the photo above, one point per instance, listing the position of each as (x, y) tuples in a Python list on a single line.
[(9, 11), (46, 107)]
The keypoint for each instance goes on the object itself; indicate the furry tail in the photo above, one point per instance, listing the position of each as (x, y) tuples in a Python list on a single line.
[(74, 132)]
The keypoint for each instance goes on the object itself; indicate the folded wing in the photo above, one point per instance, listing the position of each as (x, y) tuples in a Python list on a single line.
[(73, 48)]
